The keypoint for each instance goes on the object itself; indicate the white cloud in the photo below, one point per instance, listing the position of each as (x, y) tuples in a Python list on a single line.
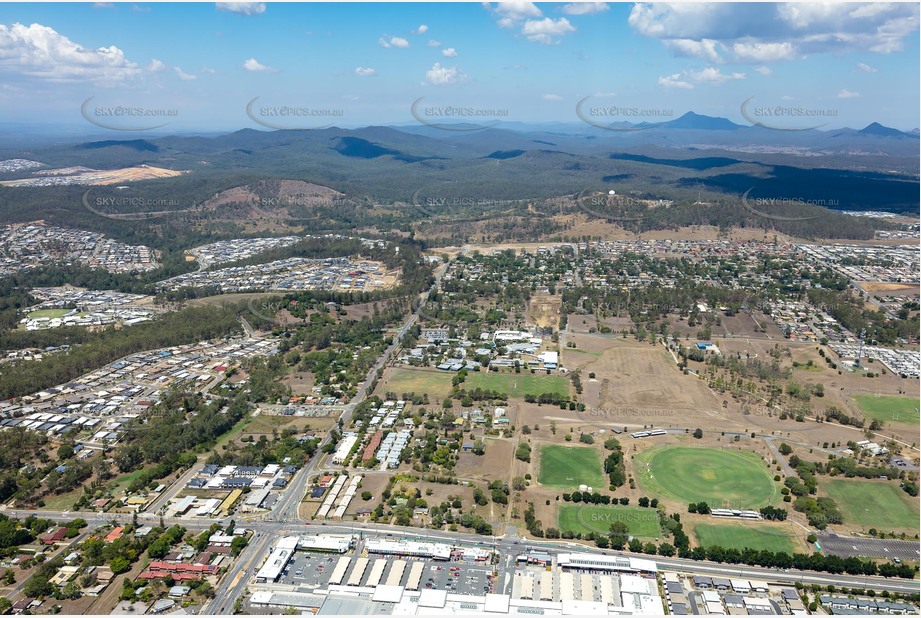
[(547, 30), (365, 71), (705, 48), (511, 13), (183, 75), (208, 71), (104, 5), (674, 81), (434, 43), (254, 65), (155, 66), (393, 41), (756, 32), (763, 52), (449, 52), (243, 8), (422, 29), (847, 94), (441, 76), (552, 97), (764, 70), (585, 8), (712, 75), (40, 52), (866, 68)]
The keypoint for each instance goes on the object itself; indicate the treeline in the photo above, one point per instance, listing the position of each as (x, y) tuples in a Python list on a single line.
[(181, 327)]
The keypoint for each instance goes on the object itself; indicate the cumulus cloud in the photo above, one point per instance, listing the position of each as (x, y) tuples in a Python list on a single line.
[(434, 43), (155, 66), (422, 29), (764, 70), (772, 32), (552, 97), (254, 65), (243, 8), (708, 76), (510, 14), (866, 68), (393, 41), (365, 71), (585, 8), (705, 48), (674, 81), (547, 31), (441, 76), (847, 94), (41, 52), (712, 75), (183, 75), (449, 52)]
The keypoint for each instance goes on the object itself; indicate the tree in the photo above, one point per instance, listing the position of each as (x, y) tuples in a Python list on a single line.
[(519, 483), (5, 605), (785, 449), (71, 591), (698, 433), (119, 564), (38, 586), (366, 495), (618, 535)]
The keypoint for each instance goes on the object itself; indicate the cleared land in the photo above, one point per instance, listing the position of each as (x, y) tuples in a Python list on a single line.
[(584, 518), (889, 408), (570, 466), (518, 384), (716, 476), (740, 536), (873, 504), (410, 380)]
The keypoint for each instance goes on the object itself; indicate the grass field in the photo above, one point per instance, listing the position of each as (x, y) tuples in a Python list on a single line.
[(716, 476), (571, 466), (873, 504), (518, 384), (436, 383), (889, 408), (584, 518), (49, 313), (740, 536)]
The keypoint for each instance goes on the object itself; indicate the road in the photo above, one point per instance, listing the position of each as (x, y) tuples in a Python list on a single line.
[(286, 510)]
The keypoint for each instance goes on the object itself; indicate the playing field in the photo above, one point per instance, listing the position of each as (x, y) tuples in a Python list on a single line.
[(888, 408), (571, 466), (49, 313), (873, 504), (721, 478), (409, 380), (518, 384), (740, 536), (584, 518)]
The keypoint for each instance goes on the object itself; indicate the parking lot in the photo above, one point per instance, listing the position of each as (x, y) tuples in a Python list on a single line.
[(847, 546)]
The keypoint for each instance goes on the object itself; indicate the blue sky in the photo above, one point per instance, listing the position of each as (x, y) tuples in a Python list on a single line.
[(368, 63)]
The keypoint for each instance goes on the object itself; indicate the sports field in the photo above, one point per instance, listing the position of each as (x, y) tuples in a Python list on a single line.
[(873, 504), (721, 478), (410, 380), (584, 518), (889, 408), (571, 466), (518, 384), (49, 313), (740, 536)]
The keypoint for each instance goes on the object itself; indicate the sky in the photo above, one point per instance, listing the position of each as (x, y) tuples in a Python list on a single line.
[(222, 66)]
